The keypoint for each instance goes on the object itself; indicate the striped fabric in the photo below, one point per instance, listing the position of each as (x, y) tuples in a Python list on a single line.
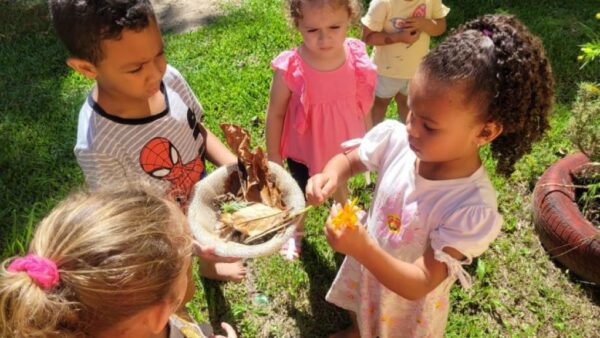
[(165, 150)]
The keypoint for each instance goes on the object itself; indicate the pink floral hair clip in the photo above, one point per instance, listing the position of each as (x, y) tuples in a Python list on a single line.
[(41, 270)]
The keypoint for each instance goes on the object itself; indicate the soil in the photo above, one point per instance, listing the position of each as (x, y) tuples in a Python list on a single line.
[(590, 206), (179, 16)]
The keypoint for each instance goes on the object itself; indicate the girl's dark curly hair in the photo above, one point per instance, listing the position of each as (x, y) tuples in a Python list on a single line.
[(502, 66), (83, 24)]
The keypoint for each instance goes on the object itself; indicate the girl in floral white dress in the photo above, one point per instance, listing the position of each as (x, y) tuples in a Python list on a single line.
[(434, 208)]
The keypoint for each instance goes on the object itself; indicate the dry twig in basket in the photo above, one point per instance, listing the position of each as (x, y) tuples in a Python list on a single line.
[(290, 219), (252, 207)]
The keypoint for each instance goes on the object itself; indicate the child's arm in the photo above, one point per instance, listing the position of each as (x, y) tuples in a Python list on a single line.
[(336, 172), (374, 38), (433, 27), (409, 280), (228, 330), (279, 97), (217, 152)]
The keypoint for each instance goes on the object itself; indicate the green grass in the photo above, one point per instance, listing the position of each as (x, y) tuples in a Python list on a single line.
[(518, 291)]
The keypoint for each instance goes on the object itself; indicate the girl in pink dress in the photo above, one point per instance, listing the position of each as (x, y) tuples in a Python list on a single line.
[(321, 91)]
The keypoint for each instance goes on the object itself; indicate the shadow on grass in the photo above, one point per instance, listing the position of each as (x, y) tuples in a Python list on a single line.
[(325, 318), (591, 290), (219, 309), (37, 166), (184, 21)]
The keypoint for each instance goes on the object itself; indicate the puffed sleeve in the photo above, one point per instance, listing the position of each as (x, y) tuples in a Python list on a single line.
[(439, 10), (366, 75), (376, 15), (384, 141), (289, 64), (470, 230)]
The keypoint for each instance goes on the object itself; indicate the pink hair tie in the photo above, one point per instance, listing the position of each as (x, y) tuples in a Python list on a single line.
[(41, 270)]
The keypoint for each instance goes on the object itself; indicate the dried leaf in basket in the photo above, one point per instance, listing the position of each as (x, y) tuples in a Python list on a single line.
[(253, 175), (254, 219), (237, 138)]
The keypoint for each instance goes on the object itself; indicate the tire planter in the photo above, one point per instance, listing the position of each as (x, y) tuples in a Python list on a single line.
[(567, 236)]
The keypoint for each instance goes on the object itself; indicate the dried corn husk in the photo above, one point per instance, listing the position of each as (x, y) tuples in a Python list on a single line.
[(290, 219), (254, 219)]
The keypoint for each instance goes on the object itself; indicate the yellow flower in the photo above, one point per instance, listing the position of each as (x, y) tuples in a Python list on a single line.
[(598, 16), (347, 217), (580, 58)]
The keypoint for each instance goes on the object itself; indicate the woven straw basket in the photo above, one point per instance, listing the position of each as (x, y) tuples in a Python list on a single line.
[(202, 214)]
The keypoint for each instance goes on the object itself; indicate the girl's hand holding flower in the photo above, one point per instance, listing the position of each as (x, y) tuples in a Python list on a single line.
[(344, 230)]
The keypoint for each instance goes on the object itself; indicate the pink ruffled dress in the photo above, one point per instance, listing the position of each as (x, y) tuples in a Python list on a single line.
[(326, 108)]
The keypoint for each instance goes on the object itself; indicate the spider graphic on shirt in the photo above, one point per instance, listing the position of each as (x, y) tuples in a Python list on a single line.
[(160, 159)]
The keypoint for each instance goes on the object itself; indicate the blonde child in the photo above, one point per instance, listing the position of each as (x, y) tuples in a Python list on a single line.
[(434, 208), (112, 264), (400, 31), (321, 91)]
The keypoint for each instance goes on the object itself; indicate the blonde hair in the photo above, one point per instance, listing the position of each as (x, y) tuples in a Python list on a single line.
[(117, 252), (294, 8)]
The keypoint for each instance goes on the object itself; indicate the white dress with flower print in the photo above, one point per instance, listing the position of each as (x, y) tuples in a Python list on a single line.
[(408, 214)]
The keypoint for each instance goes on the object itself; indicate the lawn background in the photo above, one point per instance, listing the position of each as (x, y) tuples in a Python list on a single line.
[(518, 290)]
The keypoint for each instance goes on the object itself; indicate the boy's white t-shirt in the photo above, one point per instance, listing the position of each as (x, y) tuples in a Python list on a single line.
[(409, 214), (400, 60), (165, 150)]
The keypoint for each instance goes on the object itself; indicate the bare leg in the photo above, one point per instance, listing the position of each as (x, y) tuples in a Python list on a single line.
[(349, 332), (402, 107), (378, 111), (234, 272)]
